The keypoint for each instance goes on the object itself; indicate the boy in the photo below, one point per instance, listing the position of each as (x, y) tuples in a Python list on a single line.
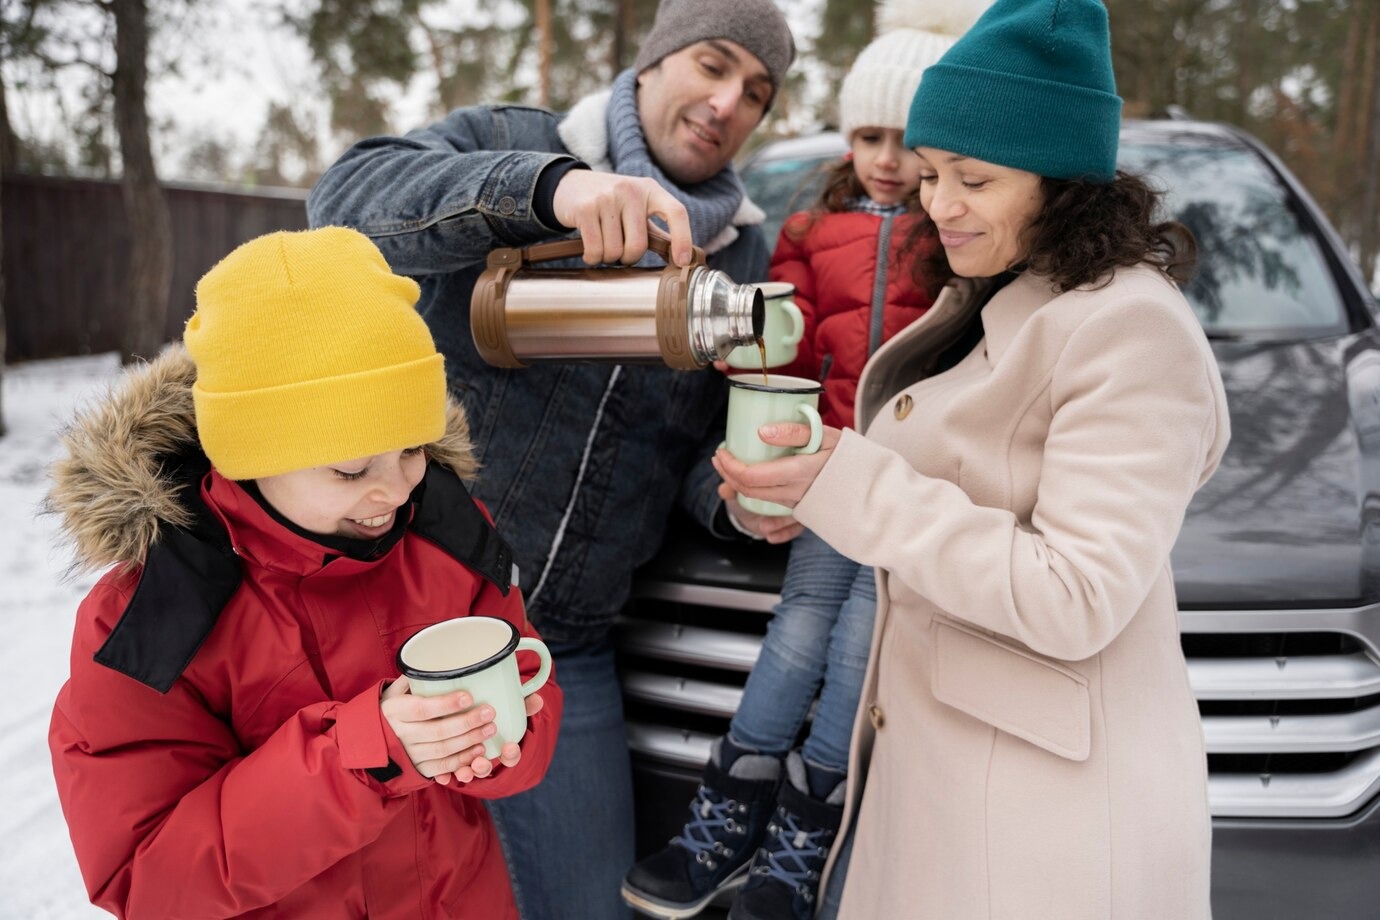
[(283, 505)]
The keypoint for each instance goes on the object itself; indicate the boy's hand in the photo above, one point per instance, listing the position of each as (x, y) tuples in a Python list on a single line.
[(511, 753), (439, 733)]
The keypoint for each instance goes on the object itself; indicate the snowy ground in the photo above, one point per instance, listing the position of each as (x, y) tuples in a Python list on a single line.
[(38, 873)]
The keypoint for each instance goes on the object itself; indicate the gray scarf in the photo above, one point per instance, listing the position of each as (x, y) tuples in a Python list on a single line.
[(711, 203)]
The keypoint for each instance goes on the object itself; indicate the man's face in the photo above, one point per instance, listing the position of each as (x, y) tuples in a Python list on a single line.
[(699, 104)]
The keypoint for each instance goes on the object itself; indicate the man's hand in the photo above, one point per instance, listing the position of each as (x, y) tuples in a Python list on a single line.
[(611, 211)]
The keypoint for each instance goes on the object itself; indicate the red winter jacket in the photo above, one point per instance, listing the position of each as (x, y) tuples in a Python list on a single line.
[(834, 268), (263, 780)]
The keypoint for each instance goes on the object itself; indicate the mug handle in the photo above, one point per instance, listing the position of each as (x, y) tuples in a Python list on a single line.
[(538, 680), (797, 324), (816, 428)]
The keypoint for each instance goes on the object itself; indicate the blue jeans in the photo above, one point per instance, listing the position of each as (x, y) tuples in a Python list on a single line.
[(569, 840), (821, 631)]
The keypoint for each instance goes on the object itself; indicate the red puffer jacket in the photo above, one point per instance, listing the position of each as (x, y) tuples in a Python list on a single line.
[(219, 748), (834, 268)]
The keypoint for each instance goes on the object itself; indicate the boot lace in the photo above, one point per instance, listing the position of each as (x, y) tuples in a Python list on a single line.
[(794, 853), (711, 818)]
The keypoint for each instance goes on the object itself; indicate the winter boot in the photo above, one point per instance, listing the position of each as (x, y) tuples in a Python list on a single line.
[(727, 820), (783, 883)]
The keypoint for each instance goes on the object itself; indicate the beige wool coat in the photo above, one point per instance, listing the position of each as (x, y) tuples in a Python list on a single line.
[(1029, 742)]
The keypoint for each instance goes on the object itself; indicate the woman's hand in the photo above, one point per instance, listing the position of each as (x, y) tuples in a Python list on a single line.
[(784, 480), (444, 735)]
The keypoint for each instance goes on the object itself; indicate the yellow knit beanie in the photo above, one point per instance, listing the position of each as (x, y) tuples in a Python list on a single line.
[(309, 351)]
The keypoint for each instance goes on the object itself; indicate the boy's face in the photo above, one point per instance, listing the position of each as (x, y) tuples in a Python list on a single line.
[(357, 498)]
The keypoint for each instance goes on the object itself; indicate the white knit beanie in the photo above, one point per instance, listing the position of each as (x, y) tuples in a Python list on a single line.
[(913, 34)]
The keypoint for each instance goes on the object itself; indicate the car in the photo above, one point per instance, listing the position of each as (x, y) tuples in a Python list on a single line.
[(1277, 566)]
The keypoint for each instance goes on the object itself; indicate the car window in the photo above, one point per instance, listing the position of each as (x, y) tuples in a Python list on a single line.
[(782, 187), (1259, 269)]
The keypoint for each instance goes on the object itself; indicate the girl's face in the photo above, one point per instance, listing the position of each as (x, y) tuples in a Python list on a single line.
[(888, 171), (357, 498), (983, 211)]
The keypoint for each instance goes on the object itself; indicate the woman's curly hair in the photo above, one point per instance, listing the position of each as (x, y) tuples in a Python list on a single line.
[(1086, 229)]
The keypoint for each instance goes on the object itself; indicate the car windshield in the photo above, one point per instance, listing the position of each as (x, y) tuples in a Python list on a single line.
[(1260, 271)]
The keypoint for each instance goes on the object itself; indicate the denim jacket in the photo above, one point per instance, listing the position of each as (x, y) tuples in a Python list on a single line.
[(582, 463)]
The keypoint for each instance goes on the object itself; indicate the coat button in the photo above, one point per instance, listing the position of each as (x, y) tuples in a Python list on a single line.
[(506, 205), (874, 713), (903, 406)]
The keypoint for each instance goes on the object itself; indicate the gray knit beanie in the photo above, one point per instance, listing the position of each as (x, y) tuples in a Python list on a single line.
[(757, 25)]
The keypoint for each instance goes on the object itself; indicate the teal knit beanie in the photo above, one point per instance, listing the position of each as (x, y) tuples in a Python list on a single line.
[(1029, 86)]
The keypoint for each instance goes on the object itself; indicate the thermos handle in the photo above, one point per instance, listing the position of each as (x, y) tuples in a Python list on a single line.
[(657, 241)]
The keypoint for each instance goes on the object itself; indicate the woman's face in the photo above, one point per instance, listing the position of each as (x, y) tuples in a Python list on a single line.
[(982, 210), (357, 498)]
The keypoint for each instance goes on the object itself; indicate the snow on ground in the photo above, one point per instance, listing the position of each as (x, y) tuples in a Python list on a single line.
[(38, 873)]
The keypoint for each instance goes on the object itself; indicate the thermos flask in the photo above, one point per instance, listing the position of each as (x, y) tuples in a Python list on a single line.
[(685, 317)]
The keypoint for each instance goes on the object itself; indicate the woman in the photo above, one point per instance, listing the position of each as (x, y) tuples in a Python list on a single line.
[(1030, 743)]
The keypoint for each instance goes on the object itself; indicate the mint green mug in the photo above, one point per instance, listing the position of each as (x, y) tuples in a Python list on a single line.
[(477, 654), (754, 402), (783, 327)]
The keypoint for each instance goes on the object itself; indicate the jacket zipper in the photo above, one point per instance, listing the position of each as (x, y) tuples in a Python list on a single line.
[(575, 491), (874, 336)]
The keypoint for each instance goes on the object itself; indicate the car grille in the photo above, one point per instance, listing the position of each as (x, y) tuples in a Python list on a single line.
[(1290, 699)]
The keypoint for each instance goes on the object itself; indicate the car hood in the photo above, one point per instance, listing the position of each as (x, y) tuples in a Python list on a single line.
[(1282, 522)]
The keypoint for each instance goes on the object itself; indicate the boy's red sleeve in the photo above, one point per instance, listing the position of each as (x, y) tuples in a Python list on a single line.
[(171, 817)]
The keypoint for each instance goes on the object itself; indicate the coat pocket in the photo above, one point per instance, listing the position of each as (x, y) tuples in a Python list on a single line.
[(1012, 689)]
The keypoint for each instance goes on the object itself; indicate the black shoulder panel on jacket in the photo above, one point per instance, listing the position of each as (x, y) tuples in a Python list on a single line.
[(449, 518), (188, 578)]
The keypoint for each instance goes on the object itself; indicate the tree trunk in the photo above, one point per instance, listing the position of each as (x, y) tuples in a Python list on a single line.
[(1370, 178), (543, 52), (146, 211), (7, 153), (624, 22)]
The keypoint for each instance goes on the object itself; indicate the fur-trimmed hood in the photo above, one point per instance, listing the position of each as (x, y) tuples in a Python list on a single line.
[(115, 489)]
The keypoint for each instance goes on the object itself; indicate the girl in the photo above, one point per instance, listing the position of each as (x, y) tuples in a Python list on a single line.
[(751, 826)]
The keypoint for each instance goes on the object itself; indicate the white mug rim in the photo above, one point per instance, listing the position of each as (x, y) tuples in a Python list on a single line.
[(778, 289), (450, 674), (747, 382)]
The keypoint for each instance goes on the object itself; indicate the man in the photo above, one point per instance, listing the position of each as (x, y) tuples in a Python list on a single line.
[(583, 463)]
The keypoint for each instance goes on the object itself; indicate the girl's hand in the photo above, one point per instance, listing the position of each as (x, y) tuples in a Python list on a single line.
[(771, 528), (784, 480)]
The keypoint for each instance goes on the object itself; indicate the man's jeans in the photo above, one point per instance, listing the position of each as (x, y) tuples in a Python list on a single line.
[(821, 630), (569, 841)]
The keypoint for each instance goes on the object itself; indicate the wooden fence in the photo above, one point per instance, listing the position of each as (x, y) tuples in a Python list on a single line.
[(66, 247)]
